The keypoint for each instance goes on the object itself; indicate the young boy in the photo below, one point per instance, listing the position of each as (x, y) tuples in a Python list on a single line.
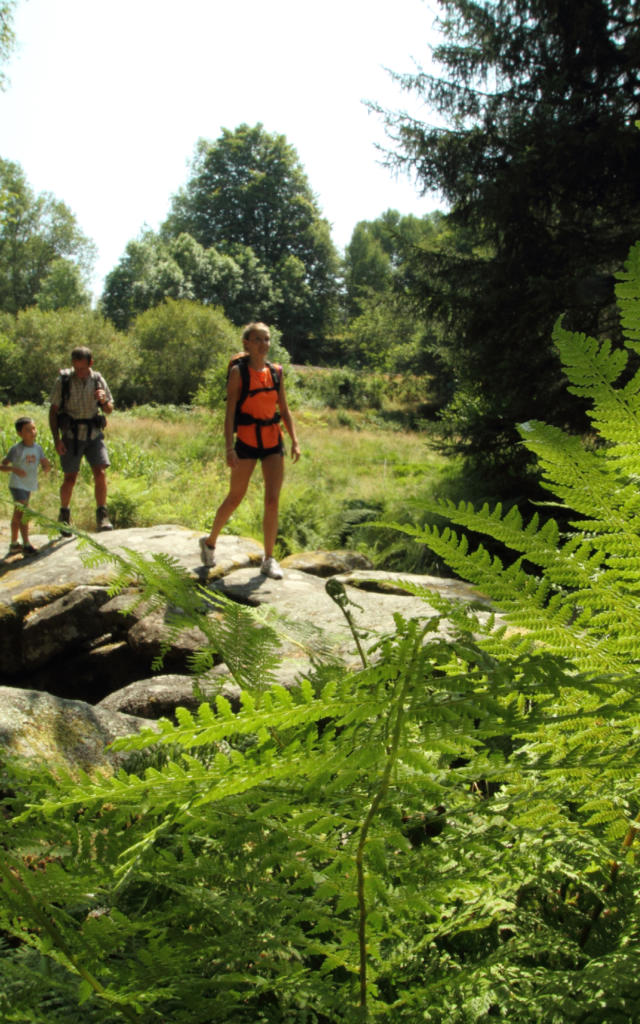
[(80, 400), (22, 461)]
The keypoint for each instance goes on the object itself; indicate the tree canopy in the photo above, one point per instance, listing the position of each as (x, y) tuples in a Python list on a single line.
[(248, 189), (152, 270), (44, 257), (540, 163), (386, 329), (7, 37)]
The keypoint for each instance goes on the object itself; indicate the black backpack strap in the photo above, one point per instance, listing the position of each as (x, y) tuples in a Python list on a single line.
[(71, 422), (65, 387), (275, 375), (242, 362), (275, 382), (243, 366)]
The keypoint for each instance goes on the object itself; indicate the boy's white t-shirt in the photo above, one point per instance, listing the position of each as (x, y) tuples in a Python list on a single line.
[(29, 457)]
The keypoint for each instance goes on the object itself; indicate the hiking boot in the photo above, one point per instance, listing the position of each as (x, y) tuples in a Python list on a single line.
[(15, 548), (207, 554), (65, 517), (102, 520), (271, 569)]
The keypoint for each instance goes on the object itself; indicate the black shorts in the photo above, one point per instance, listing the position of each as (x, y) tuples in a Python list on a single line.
[(247, 451)]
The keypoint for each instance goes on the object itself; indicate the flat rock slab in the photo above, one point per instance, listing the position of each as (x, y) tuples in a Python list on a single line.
[(327, 563), (59, 567), (60, 629), (55, 611), (50, 601), (303, 600), (393, 583)]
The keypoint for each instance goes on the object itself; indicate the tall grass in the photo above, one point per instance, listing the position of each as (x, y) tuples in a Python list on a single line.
[(167, 466)]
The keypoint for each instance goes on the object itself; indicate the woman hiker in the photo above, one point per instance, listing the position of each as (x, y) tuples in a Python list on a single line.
[(256, 402)]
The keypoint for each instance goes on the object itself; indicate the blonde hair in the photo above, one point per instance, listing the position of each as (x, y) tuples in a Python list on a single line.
[(250, 328)]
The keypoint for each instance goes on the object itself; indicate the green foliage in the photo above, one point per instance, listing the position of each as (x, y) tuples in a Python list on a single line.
[(153, 269), (574, 593), (377, 250), (387, 329), (162, 359), (63, 287), (36, 233), (7, 36), (178, 342), (36, 344), (248, 189), (367, 266), (441, 830), (342, 389)]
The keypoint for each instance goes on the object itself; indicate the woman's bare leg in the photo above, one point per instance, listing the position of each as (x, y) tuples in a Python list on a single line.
[(273, 475), (240, 477)]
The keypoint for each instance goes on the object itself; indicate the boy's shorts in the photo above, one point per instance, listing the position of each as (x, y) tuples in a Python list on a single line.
[(94, 451), (246, 451), (20, 495)]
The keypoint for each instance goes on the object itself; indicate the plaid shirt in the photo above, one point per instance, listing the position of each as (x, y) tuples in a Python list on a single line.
[(81, 403)]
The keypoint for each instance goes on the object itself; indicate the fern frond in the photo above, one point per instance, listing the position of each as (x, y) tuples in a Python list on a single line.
[(627, 294), (593, 369)]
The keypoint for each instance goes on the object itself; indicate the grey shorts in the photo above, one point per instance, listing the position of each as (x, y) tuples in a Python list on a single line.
[(94, 451), (19, 494)]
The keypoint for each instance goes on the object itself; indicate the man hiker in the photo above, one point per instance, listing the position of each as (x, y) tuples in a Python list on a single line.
[(80, 402)]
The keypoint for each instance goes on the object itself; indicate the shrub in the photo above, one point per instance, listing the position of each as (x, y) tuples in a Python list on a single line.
[(37, 344), (178, 342), (342, 389)]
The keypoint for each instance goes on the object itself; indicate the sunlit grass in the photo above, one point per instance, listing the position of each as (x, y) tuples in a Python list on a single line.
[(167, 466)]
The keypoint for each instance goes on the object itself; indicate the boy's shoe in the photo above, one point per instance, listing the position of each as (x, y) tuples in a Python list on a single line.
[(29, 549), (271, 569), (65, 517), (207, 554), (15, 548), (102, 520)]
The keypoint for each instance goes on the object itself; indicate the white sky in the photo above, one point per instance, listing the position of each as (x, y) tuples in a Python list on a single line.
[(107, 98)]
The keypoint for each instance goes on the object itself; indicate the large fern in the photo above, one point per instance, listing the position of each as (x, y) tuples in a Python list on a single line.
[(577, 593), (444, 835)]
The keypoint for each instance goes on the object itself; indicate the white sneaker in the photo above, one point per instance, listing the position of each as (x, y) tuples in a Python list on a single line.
[(207, 554), (271, 568)]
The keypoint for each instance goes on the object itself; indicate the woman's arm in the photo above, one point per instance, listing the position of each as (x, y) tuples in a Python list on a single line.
[(234, 387), (287, 419)]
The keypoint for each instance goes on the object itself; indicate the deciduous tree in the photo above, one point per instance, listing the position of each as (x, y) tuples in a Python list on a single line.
[(248, 188), (35, 232), (153, 269), (7, 37), (386, 329), (63, 287)]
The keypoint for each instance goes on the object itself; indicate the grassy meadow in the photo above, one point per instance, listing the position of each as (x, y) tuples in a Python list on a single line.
[(167, 466)]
